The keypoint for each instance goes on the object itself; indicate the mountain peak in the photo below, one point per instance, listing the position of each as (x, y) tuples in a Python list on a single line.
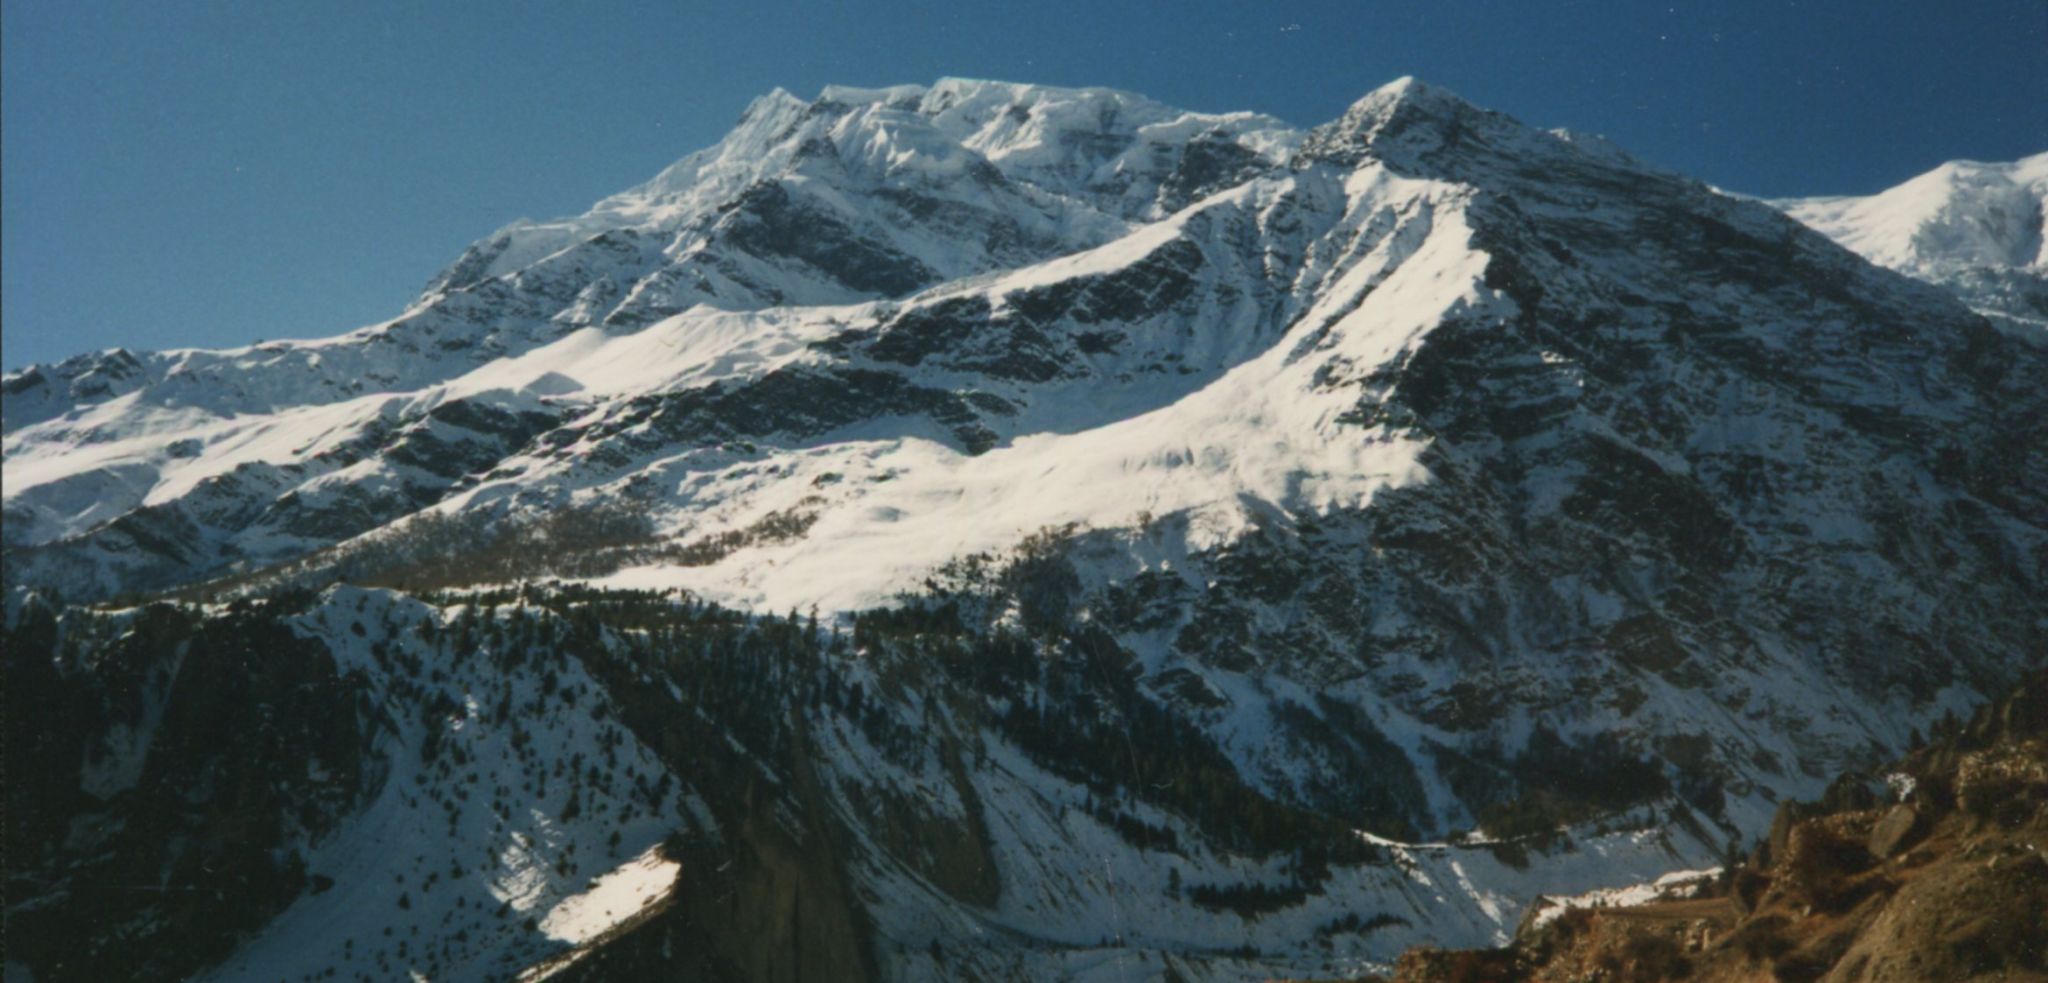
[(1959, 216), (775, 103), (977, 99), (858, 95), (1408, 88), (1406, 111), (1403, 96)]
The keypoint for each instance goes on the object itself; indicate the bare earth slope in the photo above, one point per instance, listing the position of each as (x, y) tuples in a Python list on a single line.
[(1949, 884)]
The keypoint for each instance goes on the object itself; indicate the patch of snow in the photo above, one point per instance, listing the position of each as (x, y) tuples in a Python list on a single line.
[(1673, 886), (613, 897)]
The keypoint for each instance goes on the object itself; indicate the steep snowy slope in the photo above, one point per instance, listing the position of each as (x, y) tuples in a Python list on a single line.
[(856, 195), (882, 191), (571, 782), (445, 819), (1976, 228), (1253, 514)]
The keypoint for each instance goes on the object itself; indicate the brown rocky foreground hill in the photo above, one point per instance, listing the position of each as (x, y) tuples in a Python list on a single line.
[(1941, 876)]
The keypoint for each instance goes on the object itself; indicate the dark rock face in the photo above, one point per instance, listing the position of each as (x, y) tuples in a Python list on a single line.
[(1614, 424), (795, 402), (1152, 286), (773, 905), (924, 331), (464, 437), (210, 749), (1208, 164), (769, 221)]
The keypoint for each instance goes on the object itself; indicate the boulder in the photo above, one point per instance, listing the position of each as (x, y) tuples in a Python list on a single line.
[(1894, 832), (1790, 812)]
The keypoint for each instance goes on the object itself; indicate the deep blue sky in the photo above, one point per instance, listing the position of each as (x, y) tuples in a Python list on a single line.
[(209, 173)]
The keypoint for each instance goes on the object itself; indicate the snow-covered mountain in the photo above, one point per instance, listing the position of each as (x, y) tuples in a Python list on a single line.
[(1976, 228), (860, 194), (1194, 529)]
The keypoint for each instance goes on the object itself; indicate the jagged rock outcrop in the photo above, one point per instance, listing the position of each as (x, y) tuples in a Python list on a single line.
[(1949, 884)]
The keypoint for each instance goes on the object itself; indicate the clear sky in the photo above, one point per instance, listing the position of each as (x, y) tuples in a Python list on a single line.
[(209, 173)]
